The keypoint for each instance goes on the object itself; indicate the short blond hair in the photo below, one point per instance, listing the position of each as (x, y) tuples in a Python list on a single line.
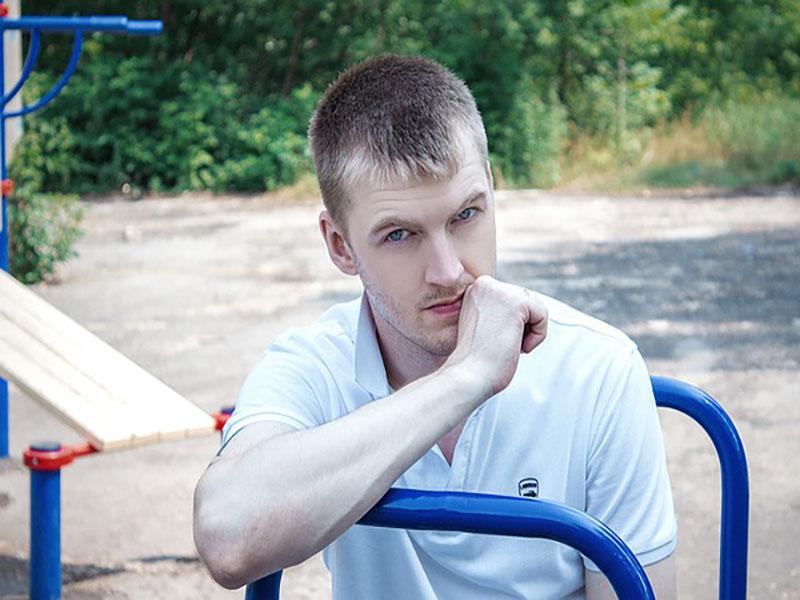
[(391, 118)]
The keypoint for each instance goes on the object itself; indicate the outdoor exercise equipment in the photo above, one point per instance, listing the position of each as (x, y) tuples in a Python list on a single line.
[(35, 26), (106, 397), (523, 517)]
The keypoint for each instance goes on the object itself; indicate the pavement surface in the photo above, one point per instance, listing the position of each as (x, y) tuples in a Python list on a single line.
[(193, 288)]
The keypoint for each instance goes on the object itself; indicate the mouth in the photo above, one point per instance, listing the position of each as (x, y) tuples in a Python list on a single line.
[(447, 306)]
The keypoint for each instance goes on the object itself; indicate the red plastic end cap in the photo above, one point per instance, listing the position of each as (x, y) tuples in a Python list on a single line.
[(7, 185), (3, 10), (222, 417)]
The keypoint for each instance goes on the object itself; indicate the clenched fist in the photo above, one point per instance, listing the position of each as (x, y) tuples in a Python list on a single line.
[(498, 321)]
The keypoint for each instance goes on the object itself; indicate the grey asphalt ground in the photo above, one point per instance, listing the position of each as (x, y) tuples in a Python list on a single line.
[(193, 288)]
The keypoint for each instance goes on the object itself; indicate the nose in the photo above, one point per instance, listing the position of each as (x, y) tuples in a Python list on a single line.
[(443, 266)]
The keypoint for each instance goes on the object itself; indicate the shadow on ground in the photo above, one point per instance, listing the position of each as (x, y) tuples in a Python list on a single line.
[(737, 294), (14, 571)]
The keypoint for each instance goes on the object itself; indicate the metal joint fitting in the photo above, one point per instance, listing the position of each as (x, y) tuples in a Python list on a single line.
[(51, 456), (221, 417)]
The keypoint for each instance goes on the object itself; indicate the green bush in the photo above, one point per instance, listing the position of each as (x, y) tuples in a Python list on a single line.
[(43, 229), (760, 135), (526, 146), (163, 127)]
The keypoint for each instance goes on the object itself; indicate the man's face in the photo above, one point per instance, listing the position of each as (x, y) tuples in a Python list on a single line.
[(417, 248)]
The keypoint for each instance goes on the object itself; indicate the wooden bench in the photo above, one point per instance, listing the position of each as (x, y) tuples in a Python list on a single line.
[(105, 396)]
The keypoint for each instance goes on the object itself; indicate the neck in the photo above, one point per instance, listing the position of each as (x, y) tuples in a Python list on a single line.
[(403, 360)]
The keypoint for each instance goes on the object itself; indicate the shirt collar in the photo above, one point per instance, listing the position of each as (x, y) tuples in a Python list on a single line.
[(369, 370)]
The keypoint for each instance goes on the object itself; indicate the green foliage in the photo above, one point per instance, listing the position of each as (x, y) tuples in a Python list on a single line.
[(691, 173), (527, 148), (750, 141), (163, 128), (761, 135), (221, 100), (43, 230)]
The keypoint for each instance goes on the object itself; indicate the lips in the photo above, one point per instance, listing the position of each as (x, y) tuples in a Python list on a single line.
[(447, 306)]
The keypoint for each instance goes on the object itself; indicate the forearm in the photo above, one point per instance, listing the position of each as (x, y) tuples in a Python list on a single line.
[(288, 496)]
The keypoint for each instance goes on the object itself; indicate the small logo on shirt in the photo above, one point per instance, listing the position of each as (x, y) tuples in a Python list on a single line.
[(529, 487)]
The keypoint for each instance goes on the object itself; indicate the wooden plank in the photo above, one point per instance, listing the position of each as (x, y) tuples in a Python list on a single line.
[(93, 388), (69, 339)]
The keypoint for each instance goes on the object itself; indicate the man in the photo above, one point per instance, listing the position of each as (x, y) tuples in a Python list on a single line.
[(439, 377)]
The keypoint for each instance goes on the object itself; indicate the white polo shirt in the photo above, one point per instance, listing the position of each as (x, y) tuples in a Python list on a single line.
[(578, 421)]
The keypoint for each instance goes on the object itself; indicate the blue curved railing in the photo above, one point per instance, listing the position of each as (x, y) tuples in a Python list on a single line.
[(489, 514), (735, 504)]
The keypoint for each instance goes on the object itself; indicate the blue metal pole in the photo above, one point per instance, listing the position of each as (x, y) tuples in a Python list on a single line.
[(74, 57), (266, 588), (3, 245), (734, 517), (519, 517), (501, 515), (110, 24), (45, 565)]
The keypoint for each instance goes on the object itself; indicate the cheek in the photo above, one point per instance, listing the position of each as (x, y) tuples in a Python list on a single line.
[(396, 274), (478, 250)]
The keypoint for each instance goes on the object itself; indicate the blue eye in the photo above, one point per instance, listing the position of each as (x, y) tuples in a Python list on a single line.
[(466, 214), (398, 235)]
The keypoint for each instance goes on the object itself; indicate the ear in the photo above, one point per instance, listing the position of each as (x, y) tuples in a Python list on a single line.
[(337, 244)]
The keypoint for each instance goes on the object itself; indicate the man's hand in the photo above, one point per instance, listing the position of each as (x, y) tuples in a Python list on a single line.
[(498, 321)]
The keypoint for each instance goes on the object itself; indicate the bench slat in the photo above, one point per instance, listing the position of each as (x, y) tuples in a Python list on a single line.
[(96, 390)]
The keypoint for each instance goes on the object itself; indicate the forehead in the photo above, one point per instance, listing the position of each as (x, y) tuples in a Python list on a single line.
[(420, 200)]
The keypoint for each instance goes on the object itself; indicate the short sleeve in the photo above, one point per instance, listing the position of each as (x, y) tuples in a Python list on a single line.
[(627, 484), (282, 387)]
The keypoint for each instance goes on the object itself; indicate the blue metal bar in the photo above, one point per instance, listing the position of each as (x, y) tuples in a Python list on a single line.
[(4, 428), (110, 24), (266, 588), (59, 85), (27, 69), (4, 417), (144, 27), (519, 517), (734, 517), (501, 515), (45, 565)]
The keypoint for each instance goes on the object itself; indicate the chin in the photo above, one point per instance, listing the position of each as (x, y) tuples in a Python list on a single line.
[(443, 345)]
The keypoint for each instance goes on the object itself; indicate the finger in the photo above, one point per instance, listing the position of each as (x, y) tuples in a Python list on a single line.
[(536, 327)]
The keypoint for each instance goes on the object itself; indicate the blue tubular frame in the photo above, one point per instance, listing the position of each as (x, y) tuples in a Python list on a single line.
[(483, 513), (35, 25), (27, 69), (77, 46), (110, 24), (45, 560), (735, 510)]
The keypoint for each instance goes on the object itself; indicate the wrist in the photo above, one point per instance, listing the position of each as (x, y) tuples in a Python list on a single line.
[(467, 380)]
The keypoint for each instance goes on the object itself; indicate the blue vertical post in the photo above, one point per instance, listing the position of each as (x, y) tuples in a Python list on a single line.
[(3, 245), (735, 512), (45, 565), (266, 588)]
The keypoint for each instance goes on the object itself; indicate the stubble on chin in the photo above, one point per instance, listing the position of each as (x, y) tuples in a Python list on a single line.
[(412, 329)]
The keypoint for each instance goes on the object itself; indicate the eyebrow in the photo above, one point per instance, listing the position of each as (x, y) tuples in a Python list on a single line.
[(472, 198)]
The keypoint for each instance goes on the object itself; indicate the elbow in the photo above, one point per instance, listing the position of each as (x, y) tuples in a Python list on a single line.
[(218, 550), (225, 574), (225, 545), (231, 563)]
